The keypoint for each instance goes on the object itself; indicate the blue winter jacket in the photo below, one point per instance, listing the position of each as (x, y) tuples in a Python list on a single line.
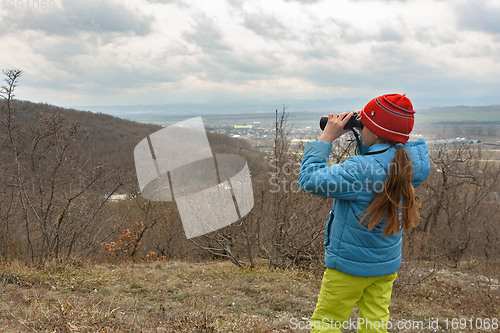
[(349, 246)]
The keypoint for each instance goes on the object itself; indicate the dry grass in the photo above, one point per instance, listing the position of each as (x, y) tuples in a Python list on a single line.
[(206, 297), (156, 297)]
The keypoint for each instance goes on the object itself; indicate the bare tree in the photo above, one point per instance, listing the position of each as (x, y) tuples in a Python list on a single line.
[(296, 218), (12, 140), (280, 150), (459, 217), (220, 243), (58, 185), (251, 226)]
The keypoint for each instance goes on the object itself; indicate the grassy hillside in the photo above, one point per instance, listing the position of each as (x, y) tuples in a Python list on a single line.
[(217, 297)]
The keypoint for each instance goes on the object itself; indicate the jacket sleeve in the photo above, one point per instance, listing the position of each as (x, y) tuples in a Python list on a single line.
[(337, 181)]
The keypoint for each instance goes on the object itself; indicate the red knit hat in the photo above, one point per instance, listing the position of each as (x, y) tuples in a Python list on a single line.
[(389, 117)]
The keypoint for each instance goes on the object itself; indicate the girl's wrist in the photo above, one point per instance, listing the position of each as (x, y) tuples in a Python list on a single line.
[(326, 137)]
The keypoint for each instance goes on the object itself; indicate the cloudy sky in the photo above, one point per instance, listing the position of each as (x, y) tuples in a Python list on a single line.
[(129, 52)]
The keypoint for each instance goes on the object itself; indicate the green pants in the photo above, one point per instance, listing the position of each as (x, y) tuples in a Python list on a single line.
[(338, 295)]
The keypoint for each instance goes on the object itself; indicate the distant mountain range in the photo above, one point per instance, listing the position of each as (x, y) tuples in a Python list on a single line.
[(150, 112)]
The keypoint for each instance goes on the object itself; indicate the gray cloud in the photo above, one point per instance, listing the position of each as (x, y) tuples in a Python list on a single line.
[(180, 3), (268, 26), (347, 32), (317, 53), (389, 66), (318, 44), (435, 38), (237, 68), (164, 1), (388, 34), (397, 58), (63, 50), (97, 16), (101, 78), (238, 4), (207, 35), (97, 49), (81, 66), (327, 74), (251, 67), (304, 1), (386, 0), (479, 15)]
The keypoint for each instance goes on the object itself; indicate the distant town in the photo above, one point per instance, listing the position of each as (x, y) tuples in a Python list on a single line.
[(261, 135)]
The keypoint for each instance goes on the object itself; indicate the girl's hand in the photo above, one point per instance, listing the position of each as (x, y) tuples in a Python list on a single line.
[(335, 126)]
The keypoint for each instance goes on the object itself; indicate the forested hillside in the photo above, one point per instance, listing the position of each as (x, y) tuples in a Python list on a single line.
[(60, 170), (113, 139)]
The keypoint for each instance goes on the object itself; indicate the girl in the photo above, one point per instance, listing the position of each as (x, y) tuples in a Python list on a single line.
[(374, 200)]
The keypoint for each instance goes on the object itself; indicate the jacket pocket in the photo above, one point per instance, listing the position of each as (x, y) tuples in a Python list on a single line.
[(327, 229)]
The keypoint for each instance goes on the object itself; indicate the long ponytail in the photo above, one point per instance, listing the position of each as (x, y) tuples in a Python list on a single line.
[(397, 186)]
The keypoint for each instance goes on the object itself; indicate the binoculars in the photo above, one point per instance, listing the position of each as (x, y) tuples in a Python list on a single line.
[(352, 123)]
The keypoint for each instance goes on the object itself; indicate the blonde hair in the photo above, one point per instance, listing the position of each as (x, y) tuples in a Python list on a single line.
[(397, 186)]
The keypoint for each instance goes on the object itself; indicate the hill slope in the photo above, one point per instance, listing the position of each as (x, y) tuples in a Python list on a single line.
[(114, 139), (177, 296)]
